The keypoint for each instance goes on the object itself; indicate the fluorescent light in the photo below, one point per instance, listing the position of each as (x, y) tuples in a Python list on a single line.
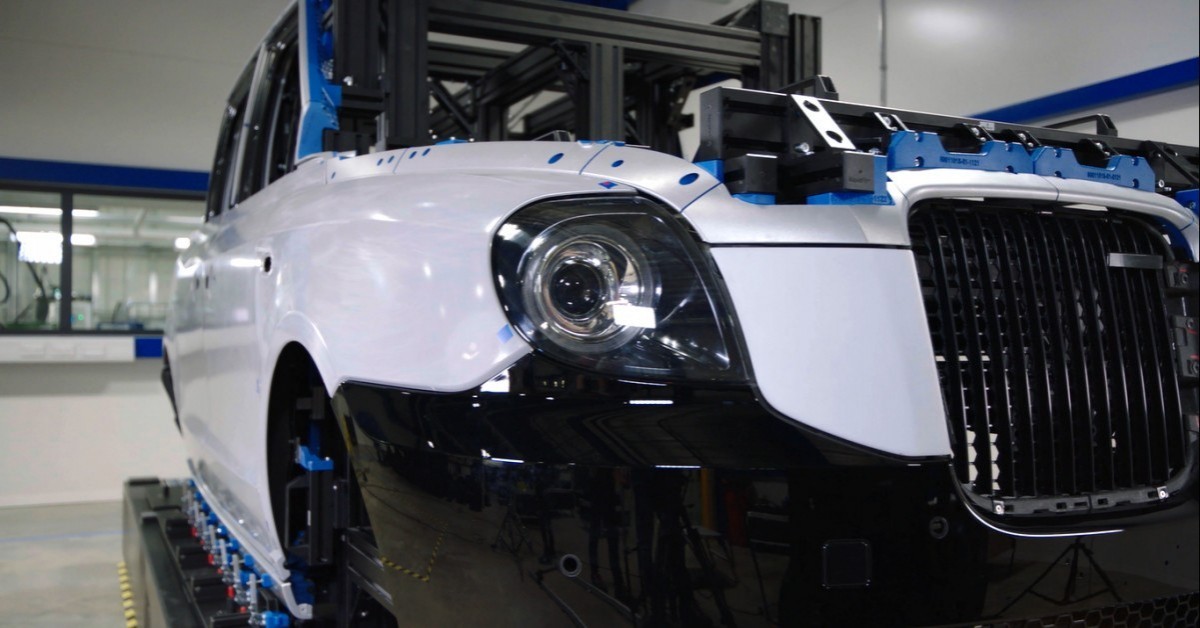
[(46, 211), (82, 239), (182, 243)]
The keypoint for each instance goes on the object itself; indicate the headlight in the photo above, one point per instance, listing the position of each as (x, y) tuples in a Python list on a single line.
[(616, 286)]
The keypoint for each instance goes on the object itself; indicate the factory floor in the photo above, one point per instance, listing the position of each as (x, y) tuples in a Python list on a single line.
[(58, 566)]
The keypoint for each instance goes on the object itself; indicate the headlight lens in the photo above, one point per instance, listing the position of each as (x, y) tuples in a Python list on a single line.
[(614, 285)]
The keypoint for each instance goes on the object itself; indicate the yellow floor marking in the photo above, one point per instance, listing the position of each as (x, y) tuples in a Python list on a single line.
[(423, 577)]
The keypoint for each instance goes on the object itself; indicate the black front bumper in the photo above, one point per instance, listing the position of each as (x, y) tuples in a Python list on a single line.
[(576, 499)]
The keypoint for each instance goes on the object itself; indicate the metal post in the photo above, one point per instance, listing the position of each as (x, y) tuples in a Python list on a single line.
[(603, 116), (407, 89), (67, 268)]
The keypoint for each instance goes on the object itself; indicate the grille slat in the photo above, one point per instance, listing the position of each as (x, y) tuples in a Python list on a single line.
[(1121, 430), (1044, 449), (1020, 361), (979, 415), (1056, 368), (1091, 357), (954, 389), (1001, 400), (1077, 387), (1132, 339)]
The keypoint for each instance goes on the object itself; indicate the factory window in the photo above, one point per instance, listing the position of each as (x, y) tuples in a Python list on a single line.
[(121, 276), (122, 254)]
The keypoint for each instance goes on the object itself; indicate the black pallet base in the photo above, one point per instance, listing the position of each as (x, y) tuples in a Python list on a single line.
[(173, 584)]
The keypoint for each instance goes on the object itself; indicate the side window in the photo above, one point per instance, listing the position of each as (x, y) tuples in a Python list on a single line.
[(222, 180), (285, 119), (270, 145)]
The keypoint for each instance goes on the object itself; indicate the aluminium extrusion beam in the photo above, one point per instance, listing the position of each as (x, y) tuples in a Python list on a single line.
[(455, 62), (406, 86), (539, 22), (603, 112)]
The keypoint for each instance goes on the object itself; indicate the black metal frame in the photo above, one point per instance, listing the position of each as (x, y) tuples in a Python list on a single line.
[(741, 122), (622, 76)]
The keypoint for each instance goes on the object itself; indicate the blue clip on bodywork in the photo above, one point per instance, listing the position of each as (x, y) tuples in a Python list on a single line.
[(912, 149), (1123, 170)]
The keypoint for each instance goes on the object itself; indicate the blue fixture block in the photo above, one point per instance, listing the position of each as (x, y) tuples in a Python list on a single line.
[(912, 149), (715, 167), (1123, 170), (313, 462), (757, 199), (851, 198)]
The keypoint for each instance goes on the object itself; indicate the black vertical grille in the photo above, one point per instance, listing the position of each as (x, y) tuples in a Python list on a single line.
[(1056, 366)]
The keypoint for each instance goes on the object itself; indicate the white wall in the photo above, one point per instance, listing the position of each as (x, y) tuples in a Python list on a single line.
[(75, 432), (122, 82)]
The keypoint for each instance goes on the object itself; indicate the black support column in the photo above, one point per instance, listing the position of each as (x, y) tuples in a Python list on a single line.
[(407, 92), (66, 269), (603, 116)]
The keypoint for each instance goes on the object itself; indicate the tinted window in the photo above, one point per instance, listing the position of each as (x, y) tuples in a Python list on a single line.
[(222, 181), (270, 147)]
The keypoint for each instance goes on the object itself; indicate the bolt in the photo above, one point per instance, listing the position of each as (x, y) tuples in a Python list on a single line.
[(999, 508), (803, 147)]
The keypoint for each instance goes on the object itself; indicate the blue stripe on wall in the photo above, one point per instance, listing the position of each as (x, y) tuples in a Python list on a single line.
[(1162, 78), (147, 347), (72, 173)]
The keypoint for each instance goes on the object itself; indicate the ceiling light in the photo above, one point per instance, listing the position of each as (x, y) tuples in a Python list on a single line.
[(46, 211), (182, 243), (83, 239)]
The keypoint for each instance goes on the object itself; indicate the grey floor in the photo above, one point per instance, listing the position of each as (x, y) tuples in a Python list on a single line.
[(58, 566)]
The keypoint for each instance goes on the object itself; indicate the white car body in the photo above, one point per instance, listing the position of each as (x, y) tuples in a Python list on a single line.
[(379, 266)]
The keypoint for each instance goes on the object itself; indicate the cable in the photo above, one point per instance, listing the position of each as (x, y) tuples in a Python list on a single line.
[(32, 271)]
